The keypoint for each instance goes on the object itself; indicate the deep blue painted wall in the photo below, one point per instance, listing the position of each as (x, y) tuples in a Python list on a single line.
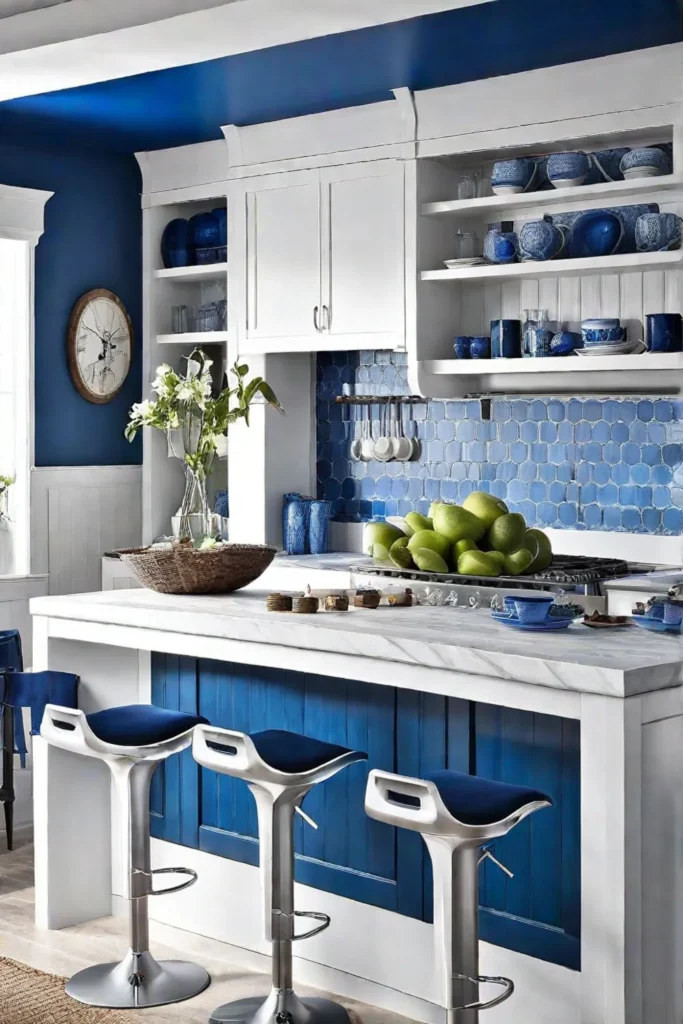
[(92, 239), (189, 104)]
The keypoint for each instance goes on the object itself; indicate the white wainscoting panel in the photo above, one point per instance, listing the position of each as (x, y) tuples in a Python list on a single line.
[(78, 513)]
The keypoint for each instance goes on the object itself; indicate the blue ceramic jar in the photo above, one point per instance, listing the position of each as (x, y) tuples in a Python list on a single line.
[(541, 240), (664, 332), (175, 250), (204, 231), (506, 339), (657, 232), (500, 244), (461, 346)]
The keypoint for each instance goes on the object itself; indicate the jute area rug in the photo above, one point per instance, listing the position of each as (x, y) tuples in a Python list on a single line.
[(28, 996)]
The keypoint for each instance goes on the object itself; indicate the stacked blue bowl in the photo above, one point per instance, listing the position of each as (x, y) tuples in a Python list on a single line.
[(603, 332)]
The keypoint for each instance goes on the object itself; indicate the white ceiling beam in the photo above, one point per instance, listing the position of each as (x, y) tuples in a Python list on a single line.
[(83, 41)]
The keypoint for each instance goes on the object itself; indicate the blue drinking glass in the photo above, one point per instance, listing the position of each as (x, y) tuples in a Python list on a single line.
[(295, 531), (318, 526)]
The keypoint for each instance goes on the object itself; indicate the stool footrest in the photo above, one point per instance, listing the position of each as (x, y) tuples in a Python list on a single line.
[(166, 871), (315, 916), (506, 983)]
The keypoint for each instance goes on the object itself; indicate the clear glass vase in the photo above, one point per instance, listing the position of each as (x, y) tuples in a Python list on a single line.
[(194, 520)]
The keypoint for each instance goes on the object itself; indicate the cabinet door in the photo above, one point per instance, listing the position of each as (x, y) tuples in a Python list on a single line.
[(282, 256), (363, 254)]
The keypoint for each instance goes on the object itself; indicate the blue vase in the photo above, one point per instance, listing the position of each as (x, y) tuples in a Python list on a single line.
[(318, 526), (174, 244), (506, 339), (500, 246), (221, 215), (204, 231)]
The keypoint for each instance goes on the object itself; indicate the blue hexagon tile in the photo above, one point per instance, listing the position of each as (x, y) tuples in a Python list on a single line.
[(568, 463)]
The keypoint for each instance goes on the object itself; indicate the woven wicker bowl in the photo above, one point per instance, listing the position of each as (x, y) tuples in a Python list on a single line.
[(184, 570)]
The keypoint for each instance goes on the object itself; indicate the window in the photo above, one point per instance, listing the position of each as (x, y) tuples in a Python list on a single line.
[(15, 401), (21, 225)]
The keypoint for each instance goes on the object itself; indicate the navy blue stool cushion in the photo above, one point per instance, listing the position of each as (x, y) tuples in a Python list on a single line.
[(476, 801), (141, 725), (292, 753)]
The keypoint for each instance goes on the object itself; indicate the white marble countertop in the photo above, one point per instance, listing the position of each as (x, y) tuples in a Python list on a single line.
[(617, 663)]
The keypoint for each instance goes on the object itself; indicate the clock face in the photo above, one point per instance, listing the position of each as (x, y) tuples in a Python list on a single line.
[(100, 343)]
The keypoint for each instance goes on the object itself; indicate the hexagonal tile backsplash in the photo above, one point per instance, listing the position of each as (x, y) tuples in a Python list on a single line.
[(572, 463)]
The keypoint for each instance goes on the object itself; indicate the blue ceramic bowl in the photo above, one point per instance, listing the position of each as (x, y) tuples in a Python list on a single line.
[(568, 169), (605, 165), (601, 323), (214, 254), (513, 176), (649, 161), (596, 233), (532, 609), (461, 346), (610, 336), (174, 244), (480, 348), (564, 343), (541, 240), (500, 246), (657, 232)]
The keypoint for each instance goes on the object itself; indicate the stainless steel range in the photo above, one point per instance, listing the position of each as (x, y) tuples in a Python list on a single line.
[(569, 574)]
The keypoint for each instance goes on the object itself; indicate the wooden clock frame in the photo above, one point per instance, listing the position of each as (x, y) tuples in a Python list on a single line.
[(74, 317)]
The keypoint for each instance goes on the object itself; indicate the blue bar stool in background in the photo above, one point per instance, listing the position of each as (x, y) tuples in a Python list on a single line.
[(457, 815), (132, 740), (19, 689), (279, 768)]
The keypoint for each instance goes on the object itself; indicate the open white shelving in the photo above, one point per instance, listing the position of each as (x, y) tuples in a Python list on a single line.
[(193, 338), (591, 265), (619, 190), (205, 272), (646, 361)]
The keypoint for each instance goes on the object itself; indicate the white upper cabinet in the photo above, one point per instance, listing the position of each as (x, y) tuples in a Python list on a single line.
[(317, 259), (363, 254), (282, 257)]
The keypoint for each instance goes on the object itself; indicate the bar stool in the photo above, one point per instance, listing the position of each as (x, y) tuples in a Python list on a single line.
[(132, 740), (457, 815), (279, 768)]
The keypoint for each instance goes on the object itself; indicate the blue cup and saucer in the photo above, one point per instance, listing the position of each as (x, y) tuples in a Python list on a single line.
[(531, 613)]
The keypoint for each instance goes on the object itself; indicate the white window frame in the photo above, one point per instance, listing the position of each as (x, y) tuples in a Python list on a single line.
[(22, 220)]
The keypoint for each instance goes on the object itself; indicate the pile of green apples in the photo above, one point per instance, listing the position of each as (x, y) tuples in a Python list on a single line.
[(481, 537)]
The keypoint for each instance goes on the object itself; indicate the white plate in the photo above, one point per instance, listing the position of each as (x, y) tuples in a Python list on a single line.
[(473, 261), (626, 348)]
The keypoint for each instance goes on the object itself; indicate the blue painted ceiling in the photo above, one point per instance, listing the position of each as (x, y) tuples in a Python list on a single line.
[(189, 104)]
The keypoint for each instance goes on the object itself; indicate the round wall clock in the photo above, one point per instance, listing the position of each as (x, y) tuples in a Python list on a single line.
[(100, 345)]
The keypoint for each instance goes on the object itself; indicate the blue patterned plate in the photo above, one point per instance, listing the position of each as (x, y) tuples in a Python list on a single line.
[(657, 625), (533, 627)]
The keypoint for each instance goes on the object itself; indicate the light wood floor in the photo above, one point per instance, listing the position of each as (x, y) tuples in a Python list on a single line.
[(69, 950)]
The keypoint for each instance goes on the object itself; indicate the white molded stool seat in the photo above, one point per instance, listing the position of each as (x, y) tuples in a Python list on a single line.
[(280, 768), (132, 740), (457, 815)]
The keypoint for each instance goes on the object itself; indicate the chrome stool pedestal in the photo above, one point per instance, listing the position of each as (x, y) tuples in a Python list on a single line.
[(457, 815), (138, 980), (279, 780)]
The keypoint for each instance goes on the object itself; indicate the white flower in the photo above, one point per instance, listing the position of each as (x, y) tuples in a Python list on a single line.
[(142, 410), (161, 384), (190, 391)]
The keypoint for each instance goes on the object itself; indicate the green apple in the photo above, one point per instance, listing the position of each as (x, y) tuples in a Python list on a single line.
[(517, 562), (379, 533), (400, 524), (485, 507), (455, 523), (400, 555), (507, 532), (416, 521), (545, 552), (428, 560), (498, 557), (478, 563), (429, 539)]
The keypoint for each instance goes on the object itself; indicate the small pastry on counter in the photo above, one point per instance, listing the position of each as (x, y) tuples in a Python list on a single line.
[(305, 605), (279, 602), (367, 599), (401, 600), (336, 603)]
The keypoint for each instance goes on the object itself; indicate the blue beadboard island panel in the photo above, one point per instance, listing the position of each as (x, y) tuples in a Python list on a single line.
[(537, 912)]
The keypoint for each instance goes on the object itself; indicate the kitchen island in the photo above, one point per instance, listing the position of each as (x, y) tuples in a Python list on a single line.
[(589, 928)]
